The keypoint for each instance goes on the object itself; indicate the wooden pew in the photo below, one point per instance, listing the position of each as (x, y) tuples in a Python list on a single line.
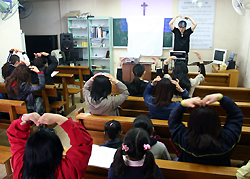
[(213, 79), (235, 93), (77, 70), (65, 80), (12, 107), (134, 106), (50, 91), (176, 170), (95, 126), (5, 156)]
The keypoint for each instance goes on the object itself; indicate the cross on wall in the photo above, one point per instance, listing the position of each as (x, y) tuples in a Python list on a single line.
[(144, 5)]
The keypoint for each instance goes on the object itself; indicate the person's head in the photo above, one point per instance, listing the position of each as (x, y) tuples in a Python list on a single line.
[(180, 72), (101, 88), (204, 127), (113, 129), (182, 26), (43, 153), (144, 122), (163, 93), (136, 142), (40, 61), (14, 60), (139, 72), (19, 75)]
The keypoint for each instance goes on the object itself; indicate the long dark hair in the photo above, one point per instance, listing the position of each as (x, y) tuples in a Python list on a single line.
[(144, 122), (135, 139), (204, 127), (101, 88), (43, 153), (181, 73), (6, 67), (138, 71), (113, 129), (163, 93), (18, 76)]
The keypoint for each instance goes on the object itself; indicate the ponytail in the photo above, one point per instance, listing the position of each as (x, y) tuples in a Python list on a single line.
[(149, 166), (135, 85), (118, 164)]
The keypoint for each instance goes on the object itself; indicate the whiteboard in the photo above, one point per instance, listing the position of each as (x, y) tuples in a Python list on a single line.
[(202, 12)]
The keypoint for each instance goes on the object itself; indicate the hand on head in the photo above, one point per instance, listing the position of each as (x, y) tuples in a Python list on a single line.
[(191, 102), (46, 118), (111, 78), (34, 69), (156, 80), (177, 85), (37, 55)]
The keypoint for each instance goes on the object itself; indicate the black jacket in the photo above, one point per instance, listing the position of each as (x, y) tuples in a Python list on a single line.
[(143, 84), (212, 155), (52, 61)]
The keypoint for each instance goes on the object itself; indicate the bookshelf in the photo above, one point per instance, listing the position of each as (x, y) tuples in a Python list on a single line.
[(100, 42), (79, 28)]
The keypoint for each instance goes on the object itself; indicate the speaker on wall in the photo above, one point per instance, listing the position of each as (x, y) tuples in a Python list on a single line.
[(66, 41)]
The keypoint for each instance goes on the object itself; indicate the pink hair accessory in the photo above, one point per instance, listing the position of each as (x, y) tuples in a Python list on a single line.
[(125, 147), (111, 124), (146, 147)]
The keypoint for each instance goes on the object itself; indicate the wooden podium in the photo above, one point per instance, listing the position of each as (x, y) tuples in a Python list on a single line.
[(127, 71)]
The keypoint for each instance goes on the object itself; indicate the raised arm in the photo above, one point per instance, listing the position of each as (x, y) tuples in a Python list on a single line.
[(119, 70), (158, 69), (41, 79), (76, 160), (171, 23), (193, 22), (52, 64), (18, 134), (232, 128), (119, 99), (201, 64)]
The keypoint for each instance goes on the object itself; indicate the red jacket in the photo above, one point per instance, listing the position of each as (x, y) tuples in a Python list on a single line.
[(73, 165)]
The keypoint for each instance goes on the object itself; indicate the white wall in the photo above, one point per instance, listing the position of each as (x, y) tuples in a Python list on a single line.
[(230, 29), (10, 36)]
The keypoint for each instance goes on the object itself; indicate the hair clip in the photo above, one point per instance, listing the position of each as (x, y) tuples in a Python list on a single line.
[(125, 148), (111, 124), (146, 147)]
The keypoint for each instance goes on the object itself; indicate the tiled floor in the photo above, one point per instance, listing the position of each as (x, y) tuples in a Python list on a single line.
[(60, 132)]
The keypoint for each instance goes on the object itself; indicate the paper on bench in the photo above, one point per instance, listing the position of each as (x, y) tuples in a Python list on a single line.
[(101, 156), (54, 73)]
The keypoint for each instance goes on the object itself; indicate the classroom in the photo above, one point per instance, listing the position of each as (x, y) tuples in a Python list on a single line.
[(230, 31), (226, 35)]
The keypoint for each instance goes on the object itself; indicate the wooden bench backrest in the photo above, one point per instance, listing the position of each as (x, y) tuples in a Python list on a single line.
[(176, 170), (59, 77), (95, 126), (211, 79), (235, 93), (134, 106), (73, 70)]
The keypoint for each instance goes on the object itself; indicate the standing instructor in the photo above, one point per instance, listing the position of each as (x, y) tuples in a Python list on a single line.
[(181, 34)]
